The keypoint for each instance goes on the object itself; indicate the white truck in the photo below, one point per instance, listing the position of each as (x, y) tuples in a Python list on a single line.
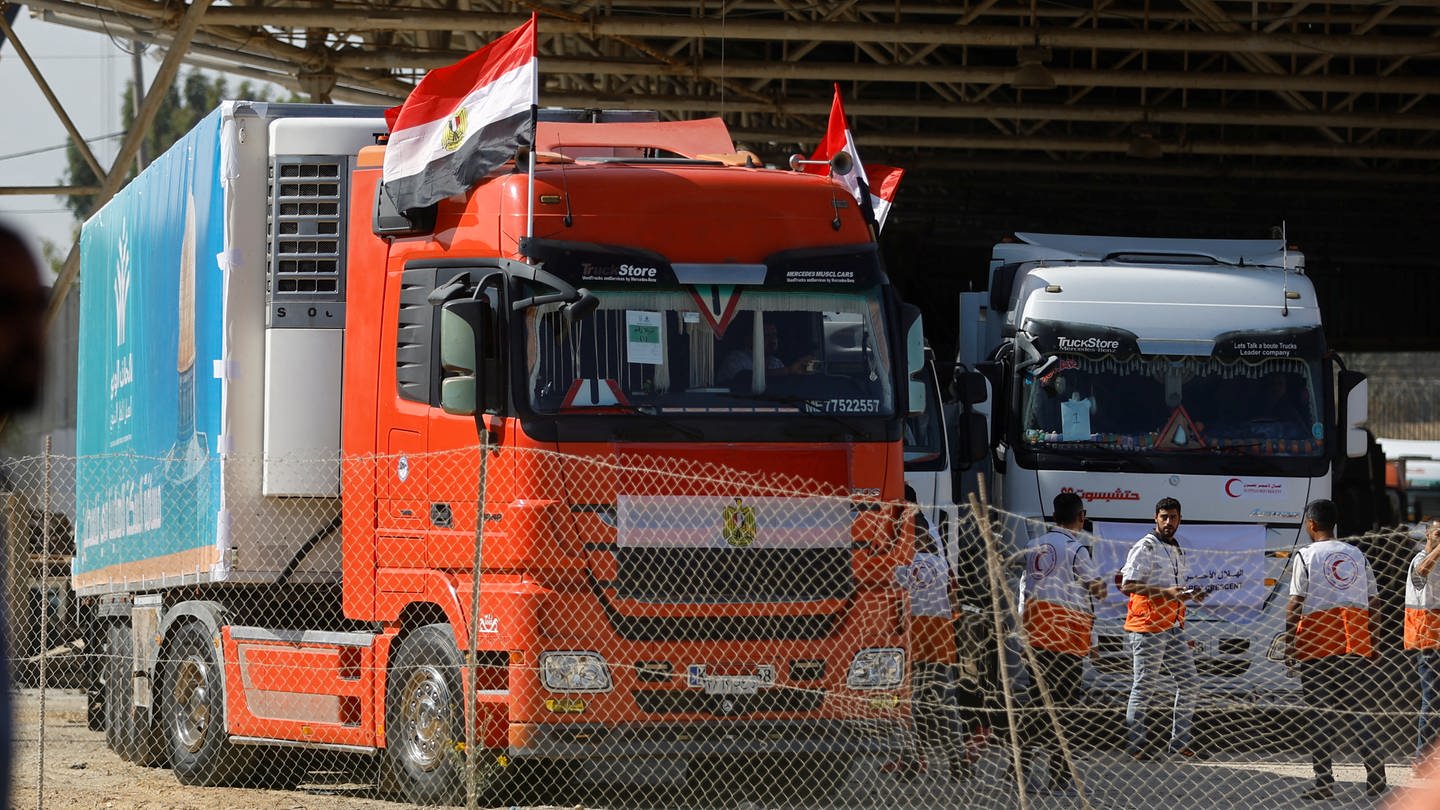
[(1133, 369)]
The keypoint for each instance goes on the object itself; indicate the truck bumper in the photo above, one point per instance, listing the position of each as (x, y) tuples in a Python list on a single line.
[(591, 740)]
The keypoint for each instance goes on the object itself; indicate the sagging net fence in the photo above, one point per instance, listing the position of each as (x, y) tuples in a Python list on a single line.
[(653, 631)]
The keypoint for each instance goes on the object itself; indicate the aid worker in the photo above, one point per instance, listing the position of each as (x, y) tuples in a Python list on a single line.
[(933, 706), (1327, 630), (1057, 612), (1422, 636), (1154, 578)]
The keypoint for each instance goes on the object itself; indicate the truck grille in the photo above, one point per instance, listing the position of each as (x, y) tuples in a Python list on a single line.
[(752, 576), (722, 628), (700, 575)]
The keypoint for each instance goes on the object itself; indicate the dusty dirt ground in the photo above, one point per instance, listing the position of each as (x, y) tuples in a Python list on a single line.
[(80, 772)]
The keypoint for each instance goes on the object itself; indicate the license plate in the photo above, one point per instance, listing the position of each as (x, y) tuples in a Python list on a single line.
[(728, 681)]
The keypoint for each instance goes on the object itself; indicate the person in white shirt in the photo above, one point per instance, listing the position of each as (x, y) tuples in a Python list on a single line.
[(1327, 632), (1422, 636), (1154, 578), (934, 705), (1057, 612)]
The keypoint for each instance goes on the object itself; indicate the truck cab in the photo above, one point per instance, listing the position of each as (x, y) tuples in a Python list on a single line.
[(1132, 369)]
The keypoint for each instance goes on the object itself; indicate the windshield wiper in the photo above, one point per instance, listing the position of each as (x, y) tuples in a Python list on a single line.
[(1214, 450), (653, 413)]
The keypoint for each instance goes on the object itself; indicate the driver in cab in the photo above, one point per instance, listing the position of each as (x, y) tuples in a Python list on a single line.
[(741, 360)]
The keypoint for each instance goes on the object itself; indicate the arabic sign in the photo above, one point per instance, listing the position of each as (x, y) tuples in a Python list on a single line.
[(1228, 561), (149, 412), (1255, 488)]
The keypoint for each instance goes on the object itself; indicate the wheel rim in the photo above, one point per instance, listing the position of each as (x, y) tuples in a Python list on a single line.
[(425, 718), (192, 701)]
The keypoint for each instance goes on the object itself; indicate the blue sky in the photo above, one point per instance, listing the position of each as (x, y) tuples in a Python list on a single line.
[(87, 72)]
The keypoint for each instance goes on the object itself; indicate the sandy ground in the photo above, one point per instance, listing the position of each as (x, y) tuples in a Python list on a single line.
[(80, 772)]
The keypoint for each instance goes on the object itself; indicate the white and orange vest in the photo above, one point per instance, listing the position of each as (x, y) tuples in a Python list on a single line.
[(1422, 607), (1334, 579), (1055, 608), (932, 632), (1161, 565)]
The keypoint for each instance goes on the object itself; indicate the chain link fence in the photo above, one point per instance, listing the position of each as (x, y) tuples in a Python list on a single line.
[(734, 640)]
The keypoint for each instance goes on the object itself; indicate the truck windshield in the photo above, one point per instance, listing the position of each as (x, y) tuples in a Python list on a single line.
[(662, 351), (1145, 404)]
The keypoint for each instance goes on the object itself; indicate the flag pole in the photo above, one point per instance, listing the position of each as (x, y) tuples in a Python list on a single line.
[(534, 127), (530, 176)]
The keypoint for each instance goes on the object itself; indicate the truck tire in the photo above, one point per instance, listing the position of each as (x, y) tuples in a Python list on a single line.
[(192, 701), (424, 717), (128, 730)]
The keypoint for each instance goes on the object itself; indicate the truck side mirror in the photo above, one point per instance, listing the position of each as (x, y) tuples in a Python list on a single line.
[(462, 323), (971, 438), (969, 387), (914, 357), (582, 307), (1355, 394), (977, 435)]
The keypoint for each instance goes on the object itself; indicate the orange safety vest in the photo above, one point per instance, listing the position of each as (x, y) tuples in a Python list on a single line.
[(1058, 628), (1056, 615), (1334, 579), (1154, 614), (932, 633), (1422, 607), (932, 639)]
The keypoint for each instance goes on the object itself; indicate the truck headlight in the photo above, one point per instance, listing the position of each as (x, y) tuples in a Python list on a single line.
[(574, 672), (876, 669)]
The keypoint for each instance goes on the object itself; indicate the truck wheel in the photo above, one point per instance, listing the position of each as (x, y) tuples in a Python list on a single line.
[(117, 701), (424, 717), (192, 707), (127, 727)]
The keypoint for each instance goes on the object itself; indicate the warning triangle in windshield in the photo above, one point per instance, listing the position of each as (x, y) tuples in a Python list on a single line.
[(1180, 432)]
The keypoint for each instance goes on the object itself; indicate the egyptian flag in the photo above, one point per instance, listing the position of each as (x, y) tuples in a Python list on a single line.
[(874, 198), (462, 121)]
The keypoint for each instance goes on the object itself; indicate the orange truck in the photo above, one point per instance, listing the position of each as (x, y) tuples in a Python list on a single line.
[(598, 470)]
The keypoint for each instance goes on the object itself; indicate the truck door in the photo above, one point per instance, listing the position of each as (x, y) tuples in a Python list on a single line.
[(454, 446), (402, 468)]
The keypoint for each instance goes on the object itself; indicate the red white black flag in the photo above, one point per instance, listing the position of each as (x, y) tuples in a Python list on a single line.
[(462, 121), (874, 186)]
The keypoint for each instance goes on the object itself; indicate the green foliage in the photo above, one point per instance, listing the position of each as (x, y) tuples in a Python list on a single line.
[(186, 102)]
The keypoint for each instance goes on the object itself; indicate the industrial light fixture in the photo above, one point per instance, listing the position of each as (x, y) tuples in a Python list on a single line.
[(1144, 146), (1032, 73)]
